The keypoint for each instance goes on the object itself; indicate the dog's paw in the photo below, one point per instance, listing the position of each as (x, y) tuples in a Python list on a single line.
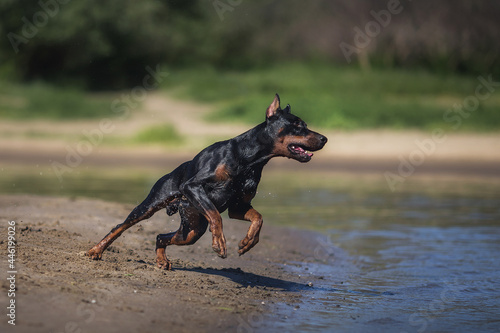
[(219, 245), (246, 244), (161, 260), (164, 264), (94, 253)]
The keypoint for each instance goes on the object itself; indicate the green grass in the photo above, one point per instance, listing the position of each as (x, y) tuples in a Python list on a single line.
[(343, 98), (42, 101), (162, 134), (323, 95)]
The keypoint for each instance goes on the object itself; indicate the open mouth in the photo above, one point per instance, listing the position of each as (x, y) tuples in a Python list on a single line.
[(301, 152)]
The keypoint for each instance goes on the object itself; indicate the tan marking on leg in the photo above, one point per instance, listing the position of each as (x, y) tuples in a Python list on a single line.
[(218, 239), (96, 252), (161, 260), (222, 173), (252, 236)]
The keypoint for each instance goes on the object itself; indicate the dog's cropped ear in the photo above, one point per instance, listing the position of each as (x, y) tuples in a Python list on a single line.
[(274, 107), (287, 109)]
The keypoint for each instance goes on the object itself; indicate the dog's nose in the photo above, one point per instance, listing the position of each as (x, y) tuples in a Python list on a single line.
[(323, 140)]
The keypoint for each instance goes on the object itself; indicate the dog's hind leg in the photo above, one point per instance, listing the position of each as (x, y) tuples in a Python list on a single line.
[(193, 226), (163, 194)]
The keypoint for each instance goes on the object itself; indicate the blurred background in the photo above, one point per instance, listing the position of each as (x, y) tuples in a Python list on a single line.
[(401, 88), (174, 76), (402, 71), (101, 98)]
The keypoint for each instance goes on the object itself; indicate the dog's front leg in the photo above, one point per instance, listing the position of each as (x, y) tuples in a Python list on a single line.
[(248, 213), (195, 193)]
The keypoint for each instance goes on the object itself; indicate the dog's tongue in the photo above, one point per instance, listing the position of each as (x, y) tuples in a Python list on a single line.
[(302, 151)]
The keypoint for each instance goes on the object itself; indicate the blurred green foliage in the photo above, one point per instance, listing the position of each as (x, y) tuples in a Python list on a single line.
[(162, 134), (339, 97), (323, 95), (96, 44), (237, 54), (39, 100), (104, 45)]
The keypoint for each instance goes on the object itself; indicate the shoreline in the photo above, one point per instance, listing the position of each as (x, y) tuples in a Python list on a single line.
[(59, 286)]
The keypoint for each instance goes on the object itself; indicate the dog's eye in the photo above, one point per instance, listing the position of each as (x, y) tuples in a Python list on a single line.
[(299, 123)]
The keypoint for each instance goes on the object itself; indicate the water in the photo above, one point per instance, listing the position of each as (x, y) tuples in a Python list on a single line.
[(423, 259)]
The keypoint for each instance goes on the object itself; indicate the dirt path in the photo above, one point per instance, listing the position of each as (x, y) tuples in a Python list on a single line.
[(59, 289), (158, 108)]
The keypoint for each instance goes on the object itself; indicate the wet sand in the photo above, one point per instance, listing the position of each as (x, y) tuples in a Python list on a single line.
[(59, 289)]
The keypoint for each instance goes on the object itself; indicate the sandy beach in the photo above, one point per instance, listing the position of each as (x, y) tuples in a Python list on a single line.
[(59, 289)]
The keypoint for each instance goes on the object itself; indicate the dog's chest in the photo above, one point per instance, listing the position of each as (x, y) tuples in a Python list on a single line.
[(247, 180), (239, 186)]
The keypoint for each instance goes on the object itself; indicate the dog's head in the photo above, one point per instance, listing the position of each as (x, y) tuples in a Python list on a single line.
[(291, 136)]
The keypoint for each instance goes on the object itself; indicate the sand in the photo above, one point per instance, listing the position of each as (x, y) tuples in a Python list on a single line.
[(59, 289)]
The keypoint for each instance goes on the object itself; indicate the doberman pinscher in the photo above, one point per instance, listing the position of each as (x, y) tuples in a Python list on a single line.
[(223, 176)]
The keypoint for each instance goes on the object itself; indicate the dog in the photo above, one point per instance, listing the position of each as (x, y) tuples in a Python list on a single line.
[(223, 176)]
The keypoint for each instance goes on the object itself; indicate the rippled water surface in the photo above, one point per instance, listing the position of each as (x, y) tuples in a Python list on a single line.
[(425, 258)]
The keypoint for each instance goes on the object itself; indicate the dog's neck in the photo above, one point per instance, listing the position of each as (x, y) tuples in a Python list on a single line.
[(255, 146)]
